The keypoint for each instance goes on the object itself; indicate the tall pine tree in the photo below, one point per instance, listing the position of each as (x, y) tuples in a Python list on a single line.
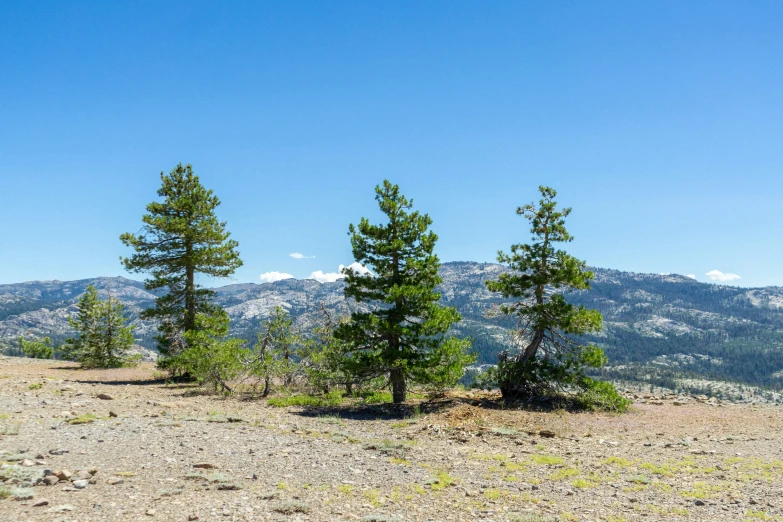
[(180, 239), (550, 358), (405, 336)]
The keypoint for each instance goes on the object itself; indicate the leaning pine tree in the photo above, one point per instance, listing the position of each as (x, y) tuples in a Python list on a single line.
[(550, 360), (405, 336), (181, 237)]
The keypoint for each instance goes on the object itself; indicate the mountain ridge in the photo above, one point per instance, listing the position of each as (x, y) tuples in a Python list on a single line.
[(655, 324)]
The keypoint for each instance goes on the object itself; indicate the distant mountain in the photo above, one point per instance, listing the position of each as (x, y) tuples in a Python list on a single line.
[(656, 327)]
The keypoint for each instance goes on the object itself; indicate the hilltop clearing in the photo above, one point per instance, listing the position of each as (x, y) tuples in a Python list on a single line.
[(121, 445)]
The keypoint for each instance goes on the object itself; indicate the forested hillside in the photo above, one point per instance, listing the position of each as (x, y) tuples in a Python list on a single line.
[(655, 326)]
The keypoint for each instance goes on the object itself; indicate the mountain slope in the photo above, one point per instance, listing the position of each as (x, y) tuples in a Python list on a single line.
[(654, 325)]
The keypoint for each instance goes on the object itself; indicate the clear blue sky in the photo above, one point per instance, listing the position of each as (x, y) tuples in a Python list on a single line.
[(660, 123)]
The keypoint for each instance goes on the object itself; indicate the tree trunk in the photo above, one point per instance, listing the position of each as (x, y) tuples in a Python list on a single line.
[(349, 389), (399, 386)]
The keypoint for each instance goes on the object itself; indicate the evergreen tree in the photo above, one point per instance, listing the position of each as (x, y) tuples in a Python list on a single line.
[(36, 349), (404, 336), (275, 352), (550, 358), (103, 339), (211, 356), (181, 237)]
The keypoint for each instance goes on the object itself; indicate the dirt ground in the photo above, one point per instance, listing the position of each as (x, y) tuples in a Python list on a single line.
[(123, 445)]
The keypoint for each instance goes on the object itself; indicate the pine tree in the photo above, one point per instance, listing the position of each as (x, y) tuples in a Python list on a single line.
[(405, 336), (181, 238), (275, 352), (37, 349), (550, 359), (211, 356), (104, 338)]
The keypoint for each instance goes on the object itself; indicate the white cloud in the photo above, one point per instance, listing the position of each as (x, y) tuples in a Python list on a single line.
[(692, 276), (271, 277), (331, 277), (297, 255), (717, 275)]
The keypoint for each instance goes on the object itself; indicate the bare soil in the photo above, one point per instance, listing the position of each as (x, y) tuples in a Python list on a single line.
[(158, 451)]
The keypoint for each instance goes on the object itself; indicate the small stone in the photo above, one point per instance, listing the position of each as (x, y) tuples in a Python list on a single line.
[(92, 471), (699, 503), (63, 474), (546, 434), (113, 481), (105, 397), (27, 463), (58, 452), (192, 517), (62, 508), (41, 502), (80, 484), (150, 513), (112, 414), (51, 480), (204, 465)]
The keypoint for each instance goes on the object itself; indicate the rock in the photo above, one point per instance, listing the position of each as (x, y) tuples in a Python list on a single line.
[(63, 474), (62, 508), (27, 463), (105, 397), (204, 465), (80, 484), (113, 481), (699, 503), (58, 452), (51, 480), (92, 471), (67, 388), (546, 434), (191, 518), (150, 513), (679, 403), (112, 414), (81, 475), (41, 502)]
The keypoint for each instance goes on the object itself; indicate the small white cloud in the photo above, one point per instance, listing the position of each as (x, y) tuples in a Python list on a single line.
[(692, 276), (717, 275), (271, 277), (297, 255), (331, 277)]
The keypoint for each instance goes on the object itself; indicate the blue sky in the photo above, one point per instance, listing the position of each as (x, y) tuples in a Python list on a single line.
[(660, 123)]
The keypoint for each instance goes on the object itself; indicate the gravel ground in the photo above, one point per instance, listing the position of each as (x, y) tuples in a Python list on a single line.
[(119, 445)]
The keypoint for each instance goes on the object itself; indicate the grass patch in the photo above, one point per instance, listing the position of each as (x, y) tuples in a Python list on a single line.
[(547, 460), (85, 418), (442, 480)]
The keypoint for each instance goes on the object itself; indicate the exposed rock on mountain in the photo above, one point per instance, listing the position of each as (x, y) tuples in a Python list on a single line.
[(654, 324)]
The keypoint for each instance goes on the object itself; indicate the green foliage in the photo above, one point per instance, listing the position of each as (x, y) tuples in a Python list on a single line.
[(322, 356), (550, 358), (275, 353), (103, 340), (211, 356), (405, 335), (181, 237), (37, 349)]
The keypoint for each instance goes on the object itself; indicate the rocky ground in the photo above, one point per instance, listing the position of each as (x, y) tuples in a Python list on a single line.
[(121, 445)]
